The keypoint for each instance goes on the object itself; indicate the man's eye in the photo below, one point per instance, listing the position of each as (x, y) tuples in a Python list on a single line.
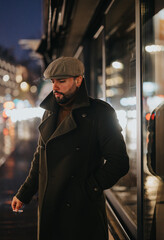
[(62, 81)]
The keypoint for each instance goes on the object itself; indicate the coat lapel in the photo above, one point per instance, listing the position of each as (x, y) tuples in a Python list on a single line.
[(48, 131), (47, 127), (67, 125)]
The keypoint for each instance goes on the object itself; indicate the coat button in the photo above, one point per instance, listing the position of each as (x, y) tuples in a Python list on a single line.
[(68, 204), (72, 176), (77, 148), (84, 115)]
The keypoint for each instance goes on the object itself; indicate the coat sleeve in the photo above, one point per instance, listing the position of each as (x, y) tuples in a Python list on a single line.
[(113, 151), (30, 186)]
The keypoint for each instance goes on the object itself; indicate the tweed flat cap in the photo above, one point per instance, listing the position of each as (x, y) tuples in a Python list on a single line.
[(64, 67)]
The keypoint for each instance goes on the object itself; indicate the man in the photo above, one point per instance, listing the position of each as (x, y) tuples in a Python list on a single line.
[(80, 153)]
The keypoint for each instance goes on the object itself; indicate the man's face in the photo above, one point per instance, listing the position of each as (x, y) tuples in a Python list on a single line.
[(64, 89)]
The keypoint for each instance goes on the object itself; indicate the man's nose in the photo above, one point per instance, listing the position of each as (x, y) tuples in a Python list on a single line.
[(55, 85)]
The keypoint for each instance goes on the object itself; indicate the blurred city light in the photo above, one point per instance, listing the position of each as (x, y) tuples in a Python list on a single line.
[(149, 88), (154, 48), (24, 113), (132, 131), (8, 105), (131, 114), (130, 101), (6, 78), (114, 81), (4, 114), (117, 65), (7, 91), (1, 99), (33, 89), (19, 78), (15, 92), (161, 14), (20, 104), (150, 182), (5, 132), (147, 116), (121, 115), (114, 91), (110, 93), (24, 86), (155, 101)]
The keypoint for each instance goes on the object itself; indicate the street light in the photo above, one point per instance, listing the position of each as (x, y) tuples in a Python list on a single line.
[(6, 78), (24, 86)]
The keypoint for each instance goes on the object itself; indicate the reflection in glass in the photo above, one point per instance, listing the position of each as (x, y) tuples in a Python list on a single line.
[(121, 92), (153, 122)]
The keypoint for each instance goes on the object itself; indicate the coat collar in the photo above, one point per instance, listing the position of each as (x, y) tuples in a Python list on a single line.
[(49, 103)]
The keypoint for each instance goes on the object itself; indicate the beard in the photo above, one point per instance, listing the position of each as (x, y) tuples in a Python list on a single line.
[(64, 99)]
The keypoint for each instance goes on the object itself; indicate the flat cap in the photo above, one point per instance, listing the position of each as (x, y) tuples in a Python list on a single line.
[(64, 67)]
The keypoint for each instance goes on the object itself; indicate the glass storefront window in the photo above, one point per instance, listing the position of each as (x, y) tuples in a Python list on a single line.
[(153, 118), (121, 92)]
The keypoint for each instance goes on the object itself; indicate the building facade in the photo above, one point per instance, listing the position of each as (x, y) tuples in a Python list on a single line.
[(122, 47)]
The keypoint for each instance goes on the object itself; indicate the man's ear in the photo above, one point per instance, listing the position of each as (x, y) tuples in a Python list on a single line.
[(78, 81)]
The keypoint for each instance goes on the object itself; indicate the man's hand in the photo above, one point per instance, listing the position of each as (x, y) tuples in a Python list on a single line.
[(16, 204)]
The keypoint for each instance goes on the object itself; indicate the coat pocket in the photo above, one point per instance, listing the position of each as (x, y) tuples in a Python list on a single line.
[(95, 208)]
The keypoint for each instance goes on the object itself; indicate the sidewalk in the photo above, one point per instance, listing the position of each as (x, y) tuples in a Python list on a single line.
[(14, 226)]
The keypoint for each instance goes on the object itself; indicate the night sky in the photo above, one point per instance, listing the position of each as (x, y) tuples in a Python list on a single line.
[(19, 19)]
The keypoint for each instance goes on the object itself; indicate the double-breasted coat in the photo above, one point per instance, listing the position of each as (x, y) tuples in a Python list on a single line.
[(72, 165)]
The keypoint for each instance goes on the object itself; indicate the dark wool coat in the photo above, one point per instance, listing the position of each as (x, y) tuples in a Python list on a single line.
[(72, 166)]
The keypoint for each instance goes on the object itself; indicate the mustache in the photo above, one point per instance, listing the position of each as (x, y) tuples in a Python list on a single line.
[(55, 91)]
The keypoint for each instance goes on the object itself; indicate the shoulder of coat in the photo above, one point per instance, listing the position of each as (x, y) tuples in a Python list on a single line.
[(100, 104)]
